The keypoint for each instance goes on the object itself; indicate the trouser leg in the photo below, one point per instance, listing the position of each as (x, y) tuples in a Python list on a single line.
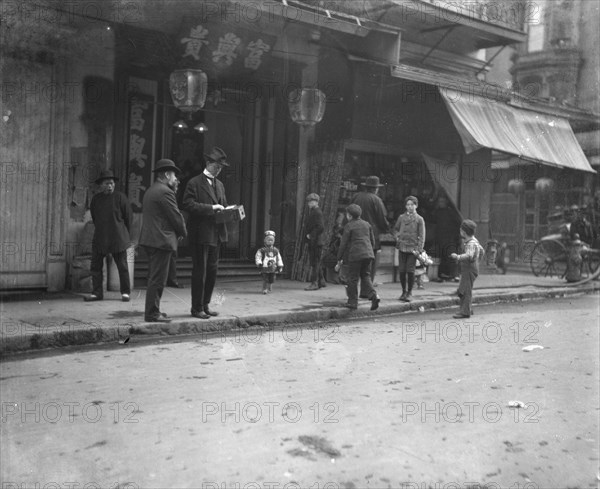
[(96, 265), (365, 278), (212, 267), (120, 259), (352, 287), (172, 277), (158, 263), (410, 281)]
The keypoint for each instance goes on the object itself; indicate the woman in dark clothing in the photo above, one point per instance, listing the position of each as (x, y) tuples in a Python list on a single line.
[(356, 251)]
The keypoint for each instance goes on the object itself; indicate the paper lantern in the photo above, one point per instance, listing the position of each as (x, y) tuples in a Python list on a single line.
[(307, 106), (188, 89), (544, 184), (516, 186)]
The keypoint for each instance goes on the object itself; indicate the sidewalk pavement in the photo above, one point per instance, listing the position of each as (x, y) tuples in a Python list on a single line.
[(57, 320)]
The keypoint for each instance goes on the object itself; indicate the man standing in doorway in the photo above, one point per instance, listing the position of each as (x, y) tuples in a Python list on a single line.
[(204, 197), (374, 212), (111, 214), (162, 227)]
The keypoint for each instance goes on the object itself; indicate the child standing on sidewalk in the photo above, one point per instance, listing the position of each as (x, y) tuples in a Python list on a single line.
[(469, 267), (410, 237), (268, 260)]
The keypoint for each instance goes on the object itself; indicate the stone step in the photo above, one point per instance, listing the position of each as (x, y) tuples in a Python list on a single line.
[(238, 270)]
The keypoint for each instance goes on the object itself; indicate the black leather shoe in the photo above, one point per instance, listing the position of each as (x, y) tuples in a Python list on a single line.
[(175, 285), (209, 312), (461, 316), (200, 315), (157, 319), (375, 303)]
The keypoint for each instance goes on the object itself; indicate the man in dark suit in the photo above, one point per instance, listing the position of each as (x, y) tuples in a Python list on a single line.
[(111, 214), (204, 197), (374, 212), (315, 234), (162, 226)]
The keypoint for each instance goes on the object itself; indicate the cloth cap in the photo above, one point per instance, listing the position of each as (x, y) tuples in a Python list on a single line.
[(216, 155), (165, 165), (269, 233), (468, 227), (372, 181), (313, 196), (413, 198), (106, 175), (354, 210)]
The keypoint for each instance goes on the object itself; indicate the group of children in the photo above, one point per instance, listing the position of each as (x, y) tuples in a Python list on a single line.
[(356, 252)]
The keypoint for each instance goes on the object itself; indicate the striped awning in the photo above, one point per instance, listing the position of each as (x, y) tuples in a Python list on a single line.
[(488, 123)]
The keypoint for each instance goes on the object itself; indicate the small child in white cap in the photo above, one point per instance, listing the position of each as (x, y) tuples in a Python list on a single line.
[(268, 260)]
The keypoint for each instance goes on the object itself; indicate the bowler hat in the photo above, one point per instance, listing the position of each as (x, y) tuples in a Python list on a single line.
[(372, 181), (165, 165), (106, 175), (216, 155)]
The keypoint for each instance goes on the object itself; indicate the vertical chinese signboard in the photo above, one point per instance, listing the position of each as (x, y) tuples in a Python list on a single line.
[(141, 131)]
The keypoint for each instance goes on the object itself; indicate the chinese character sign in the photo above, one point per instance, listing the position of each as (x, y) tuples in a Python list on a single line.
[(141, 129), (222, 48)]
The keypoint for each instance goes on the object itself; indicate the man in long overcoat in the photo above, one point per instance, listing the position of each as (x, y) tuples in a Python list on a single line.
[(111, 213), (204, 197), (162, 227)]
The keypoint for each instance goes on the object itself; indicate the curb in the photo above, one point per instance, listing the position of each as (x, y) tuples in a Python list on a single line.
[(121, 333)]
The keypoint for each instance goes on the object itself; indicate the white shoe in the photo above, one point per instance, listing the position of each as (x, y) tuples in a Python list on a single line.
[(125, 297)]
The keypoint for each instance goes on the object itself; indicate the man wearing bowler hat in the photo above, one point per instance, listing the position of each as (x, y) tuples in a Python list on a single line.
[(204, 197), (162, 226), (111, 214), (374, 212)]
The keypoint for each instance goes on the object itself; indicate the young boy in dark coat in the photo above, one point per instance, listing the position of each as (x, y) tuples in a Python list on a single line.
[(469, 267), (356, 248)]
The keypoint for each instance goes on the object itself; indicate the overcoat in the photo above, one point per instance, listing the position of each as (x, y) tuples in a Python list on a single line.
[(198, 199), (357, 242), (111, 214), (162, 222)]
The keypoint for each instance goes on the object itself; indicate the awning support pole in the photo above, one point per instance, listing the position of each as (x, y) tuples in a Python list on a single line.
[(434, 47), (489, 61)]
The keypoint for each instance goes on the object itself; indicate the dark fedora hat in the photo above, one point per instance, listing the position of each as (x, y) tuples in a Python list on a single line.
[(372, 181), (106, 175), (165, 165), (216, 155)]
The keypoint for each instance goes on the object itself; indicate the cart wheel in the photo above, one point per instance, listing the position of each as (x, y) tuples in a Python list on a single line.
[(591, 263), (549, 259)]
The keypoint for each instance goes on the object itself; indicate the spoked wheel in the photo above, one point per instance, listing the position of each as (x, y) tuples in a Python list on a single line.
[(549, 259), (591, 263)]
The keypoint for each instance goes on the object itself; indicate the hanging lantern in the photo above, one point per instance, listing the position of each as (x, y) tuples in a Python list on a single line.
[(307, 106), (544, 184), (188, 89), (516, 186)]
